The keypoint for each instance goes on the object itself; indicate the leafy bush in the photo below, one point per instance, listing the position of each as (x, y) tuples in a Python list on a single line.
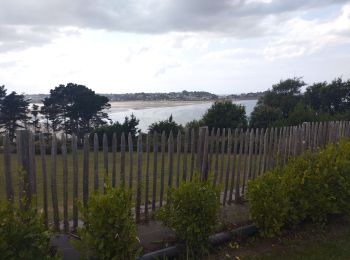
[(309, 187), (192, 212), (109, 230), (23, 234)]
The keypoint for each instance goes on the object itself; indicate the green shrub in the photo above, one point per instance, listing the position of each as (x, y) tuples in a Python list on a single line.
[(308, 187), (268, 203), (109, 230), (192, 212), (22, 234)]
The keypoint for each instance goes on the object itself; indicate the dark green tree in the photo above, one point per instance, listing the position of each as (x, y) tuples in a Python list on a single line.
[(128, 126), (225, 114), (264, 116), (277, 102), (77, 108), (168, 125), (332, 98), (13, 114)]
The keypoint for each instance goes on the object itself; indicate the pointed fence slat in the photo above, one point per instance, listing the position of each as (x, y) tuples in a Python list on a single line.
[(228, 164), (162, 170), (114, 160), (222, 155), (65, 184), (178, 158), (155, 170), (122, 160), (245, 154), (75, 181), (56, 218), (147, 175), (185, 151), (105, 161), (234, 164), (216, 163), (96, 151), (86, 170), (204, 168), (44, 175), (170, 159), (131, 165), (139, 178), (192, 154), (239, 166), (7, 167)]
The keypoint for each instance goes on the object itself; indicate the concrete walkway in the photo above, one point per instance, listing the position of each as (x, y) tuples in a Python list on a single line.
[(154, 235)]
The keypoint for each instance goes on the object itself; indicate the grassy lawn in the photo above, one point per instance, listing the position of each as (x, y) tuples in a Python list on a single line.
[(308, 242), (101, 176)]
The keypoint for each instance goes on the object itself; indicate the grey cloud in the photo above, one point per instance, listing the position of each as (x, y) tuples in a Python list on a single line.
[(237, 18), (165, 68)]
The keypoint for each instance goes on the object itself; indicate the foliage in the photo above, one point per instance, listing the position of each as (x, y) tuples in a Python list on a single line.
[(277, 102), (308, 187), (168, 125), (332, 98), (109, 230), (13, 113), (128, 126), (263, 116), (75, 109), (22, 234), (194, 124), (225, 114), (192, 212)]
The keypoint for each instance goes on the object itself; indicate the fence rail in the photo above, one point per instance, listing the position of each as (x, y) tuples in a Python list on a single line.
[(229, 158)]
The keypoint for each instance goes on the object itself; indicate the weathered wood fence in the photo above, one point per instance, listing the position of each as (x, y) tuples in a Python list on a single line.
[(226, 157)]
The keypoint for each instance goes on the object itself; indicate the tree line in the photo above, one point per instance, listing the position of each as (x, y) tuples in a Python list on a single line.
[(74, 108)]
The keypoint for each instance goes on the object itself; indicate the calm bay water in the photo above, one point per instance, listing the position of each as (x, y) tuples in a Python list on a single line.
[(181, 114)]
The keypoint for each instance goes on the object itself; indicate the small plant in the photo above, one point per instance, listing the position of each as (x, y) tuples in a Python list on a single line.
[(192, 212), (109, 230), (23, 234)]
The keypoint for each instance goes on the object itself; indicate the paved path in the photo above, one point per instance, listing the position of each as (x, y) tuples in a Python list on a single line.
[(154, 236)]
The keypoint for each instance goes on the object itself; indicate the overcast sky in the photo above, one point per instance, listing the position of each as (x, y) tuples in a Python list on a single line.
[(221, 46)]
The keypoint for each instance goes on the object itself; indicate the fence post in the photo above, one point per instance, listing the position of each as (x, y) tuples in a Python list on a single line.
[(155, 170), (162, 170), (147, 175), (86, 170), (178, 158), (44, 174), (184, 165), (65, 184), (170, 159), (122, 160), (204, 168), (24, 166), (7, 167), (75, 181), (216, 163), (222, 155), (96, 150), (105, 161), (228, 163), (114, 161), (54, 183), (139, 177), (192, 153)]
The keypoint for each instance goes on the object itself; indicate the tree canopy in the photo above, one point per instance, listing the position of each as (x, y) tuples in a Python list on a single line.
[(225, 114), (168, 125), (75, 109), (13, 111)]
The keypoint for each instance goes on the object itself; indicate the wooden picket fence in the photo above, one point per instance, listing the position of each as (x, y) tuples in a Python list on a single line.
[(225, 157)]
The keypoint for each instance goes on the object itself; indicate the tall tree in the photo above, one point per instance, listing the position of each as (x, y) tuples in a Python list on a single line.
[(13, 114), (277, 102), (77, 109), (332, 98)]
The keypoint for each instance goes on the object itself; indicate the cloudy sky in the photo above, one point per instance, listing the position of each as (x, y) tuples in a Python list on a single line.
[(221, 46)]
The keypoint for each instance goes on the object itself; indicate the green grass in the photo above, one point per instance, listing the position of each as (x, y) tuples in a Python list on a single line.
[(91, 178)]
